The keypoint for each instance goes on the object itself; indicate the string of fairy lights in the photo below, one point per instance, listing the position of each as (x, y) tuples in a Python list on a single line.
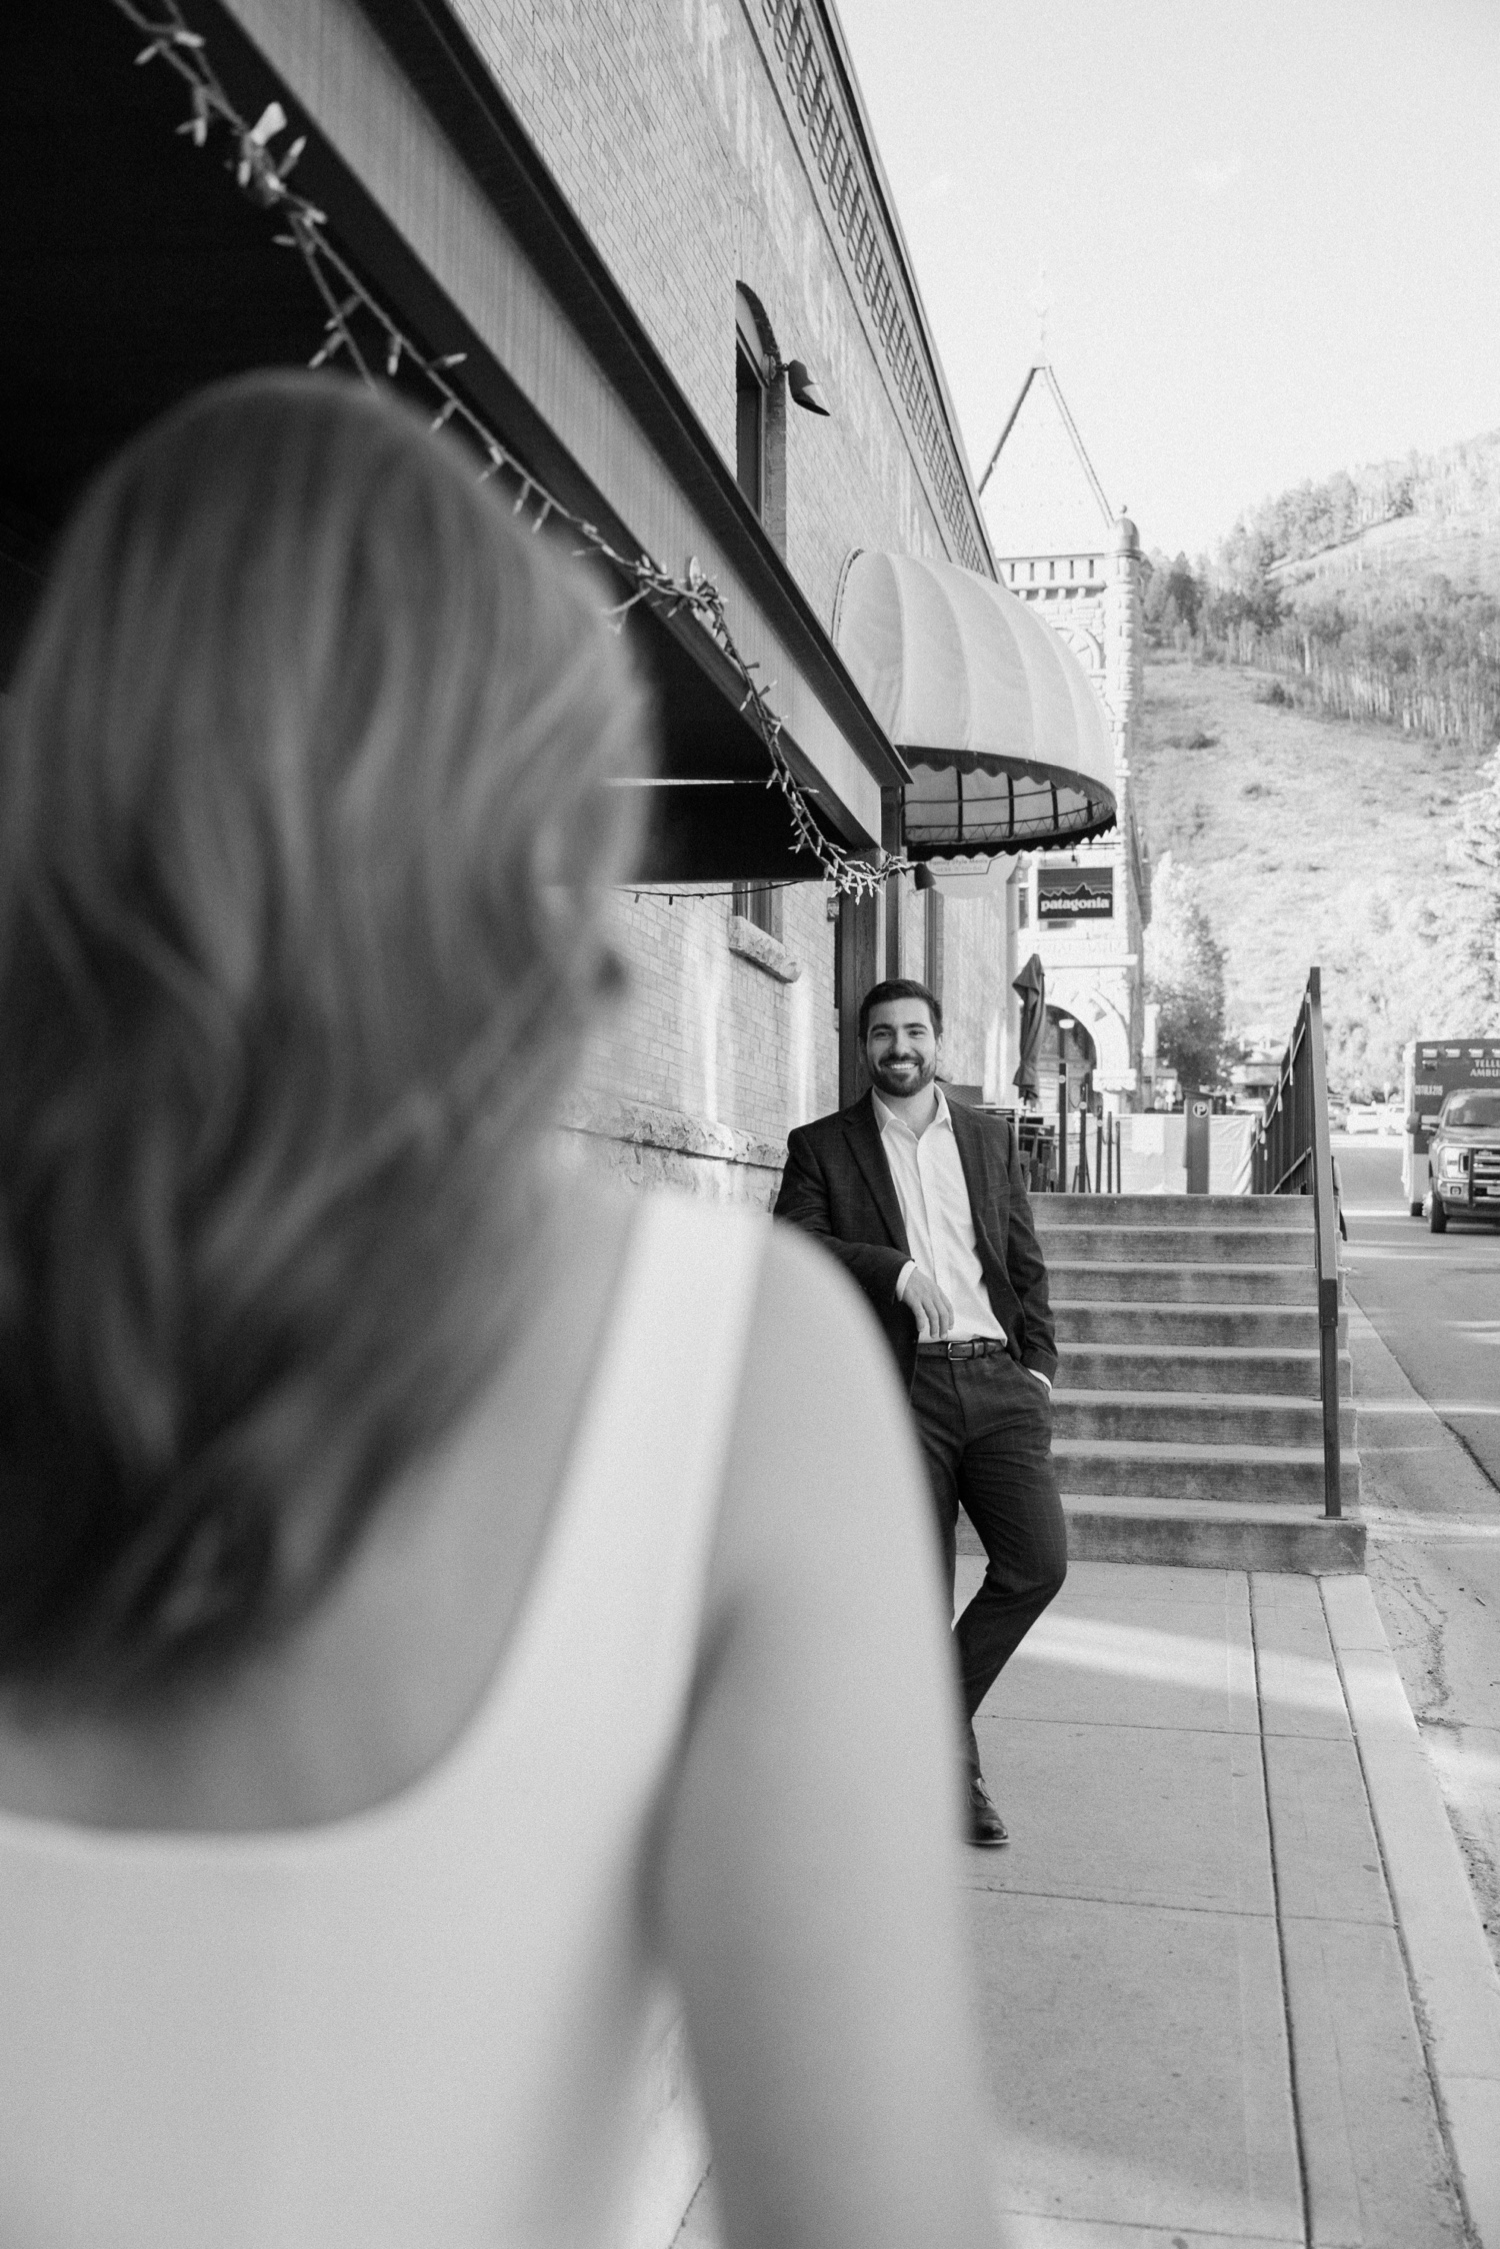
[(358, 329)]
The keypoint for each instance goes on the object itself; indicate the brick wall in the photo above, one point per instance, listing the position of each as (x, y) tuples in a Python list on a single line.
[(712, 1057), (675, 131), (975, 987), (671, 127), (705, 158)]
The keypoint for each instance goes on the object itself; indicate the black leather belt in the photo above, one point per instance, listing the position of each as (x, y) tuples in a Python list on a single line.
[(973, 1347)]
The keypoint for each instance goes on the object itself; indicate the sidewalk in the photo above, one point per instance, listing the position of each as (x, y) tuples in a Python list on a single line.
[(1232, 1985), (1434, 1562), (1230, 1898)]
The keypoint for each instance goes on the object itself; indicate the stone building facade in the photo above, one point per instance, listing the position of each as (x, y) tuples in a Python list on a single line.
[(1061, 547)]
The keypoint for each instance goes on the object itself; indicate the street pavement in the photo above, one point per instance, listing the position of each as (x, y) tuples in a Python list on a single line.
[(1433, 1298), (1425, 1338), (1230, 1950)]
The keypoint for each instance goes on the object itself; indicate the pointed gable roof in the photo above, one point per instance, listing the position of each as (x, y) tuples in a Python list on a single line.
[(1040, 493)]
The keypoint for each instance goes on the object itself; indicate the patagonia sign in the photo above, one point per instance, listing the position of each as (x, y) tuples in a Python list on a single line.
[(1075, 893)]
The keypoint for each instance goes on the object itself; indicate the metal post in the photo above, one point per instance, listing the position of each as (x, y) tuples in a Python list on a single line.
[(854, 973), (891, 803), (1197, 1109), (1325, 1220), (1062, 1134), (1294, 1156)]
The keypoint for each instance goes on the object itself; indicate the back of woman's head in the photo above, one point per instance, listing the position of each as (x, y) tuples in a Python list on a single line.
[(304, 822)]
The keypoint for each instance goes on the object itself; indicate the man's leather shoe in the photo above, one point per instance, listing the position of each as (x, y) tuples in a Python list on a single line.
[(986, 1827)]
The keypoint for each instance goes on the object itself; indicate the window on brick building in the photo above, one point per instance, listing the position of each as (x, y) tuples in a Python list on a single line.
[(752, 386), (760, 903), (759, 417), (749, 430)]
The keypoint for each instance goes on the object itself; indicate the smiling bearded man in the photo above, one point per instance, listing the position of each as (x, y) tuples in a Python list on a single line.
[(923, 1201)]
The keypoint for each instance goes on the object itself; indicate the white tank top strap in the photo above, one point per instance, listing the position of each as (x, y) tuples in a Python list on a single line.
[(651, 1452), (622, 1578)]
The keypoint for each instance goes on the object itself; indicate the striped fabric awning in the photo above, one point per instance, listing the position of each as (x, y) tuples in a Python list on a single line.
[(1008, 742)]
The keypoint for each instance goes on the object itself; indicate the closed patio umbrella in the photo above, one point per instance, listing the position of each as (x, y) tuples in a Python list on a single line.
[(1032, 986)]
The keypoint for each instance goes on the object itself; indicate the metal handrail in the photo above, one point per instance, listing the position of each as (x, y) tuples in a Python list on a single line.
[(1293, 1155)]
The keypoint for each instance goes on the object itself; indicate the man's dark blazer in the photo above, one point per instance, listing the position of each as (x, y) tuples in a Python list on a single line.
[(838, 1185)]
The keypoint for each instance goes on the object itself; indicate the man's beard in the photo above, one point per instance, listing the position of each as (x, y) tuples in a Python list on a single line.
[(902, 1083)]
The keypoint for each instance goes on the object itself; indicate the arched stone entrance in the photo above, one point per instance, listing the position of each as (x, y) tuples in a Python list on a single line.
[(1075, 991)]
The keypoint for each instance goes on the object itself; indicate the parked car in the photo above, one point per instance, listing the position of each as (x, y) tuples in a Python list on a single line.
[(1338, 1116), (1363, 1116), (1464, 1153)]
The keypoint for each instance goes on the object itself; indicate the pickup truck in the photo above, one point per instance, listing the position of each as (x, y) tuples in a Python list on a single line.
[(1464, 1156), (1434, 1068)]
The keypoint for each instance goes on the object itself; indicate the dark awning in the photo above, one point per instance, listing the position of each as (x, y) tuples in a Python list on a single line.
[(1007, 740)]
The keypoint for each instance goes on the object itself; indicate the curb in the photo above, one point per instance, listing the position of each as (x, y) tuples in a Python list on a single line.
[(1454, 1986)]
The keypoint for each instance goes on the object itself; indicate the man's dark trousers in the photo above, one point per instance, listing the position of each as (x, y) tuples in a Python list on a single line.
[(984, 1421), (986, 1429)]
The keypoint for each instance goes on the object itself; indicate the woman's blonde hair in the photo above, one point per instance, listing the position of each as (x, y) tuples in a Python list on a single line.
[(304, 825)]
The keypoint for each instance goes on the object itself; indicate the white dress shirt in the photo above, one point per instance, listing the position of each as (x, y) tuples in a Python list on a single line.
[(934, 1199)]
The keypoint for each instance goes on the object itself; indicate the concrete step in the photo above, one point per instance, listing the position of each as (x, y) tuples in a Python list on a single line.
[(1055, 1212), (1138, 1283), (1180, 1245), (1187, 1536), (1183, 1417), (1253, 1475), (1261, 1326), (1287, 1373)]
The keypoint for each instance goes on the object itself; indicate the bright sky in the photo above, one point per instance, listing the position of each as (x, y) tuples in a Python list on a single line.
[(1270, 228)]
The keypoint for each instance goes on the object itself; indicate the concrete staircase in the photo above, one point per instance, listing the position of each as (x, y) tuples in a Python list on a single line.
[(1187, 1426)]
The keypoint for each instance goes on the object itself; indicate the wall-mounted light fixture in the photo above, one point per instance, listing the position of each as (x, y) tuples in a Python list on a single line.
[(803, 385)]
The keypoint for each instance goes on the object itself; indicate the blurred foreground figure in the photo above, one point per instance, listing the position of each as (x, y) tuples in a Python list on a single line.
[(438, 1613)]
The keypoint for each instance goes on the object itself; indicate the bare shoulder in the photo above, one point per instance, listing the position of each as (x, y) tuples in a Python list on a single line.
[(807, 1302), (814, 1814), (823, 1446)]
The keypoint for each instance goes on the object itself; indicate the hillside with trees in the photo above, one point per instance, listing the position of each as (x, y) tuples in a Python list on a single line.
[(1314, 839), (1445, 499), (1373, 595), (1185, 976), (1320, 757)]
